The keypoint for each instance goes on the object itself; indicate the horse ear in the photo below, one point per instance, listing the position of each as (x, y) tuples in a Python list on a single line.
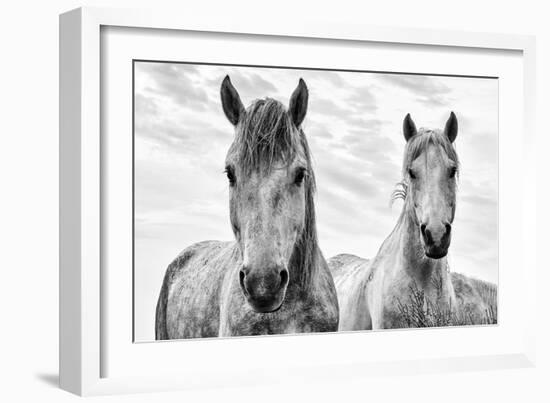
[(231, 101), (451, 127), (409, 128), (298, 103)]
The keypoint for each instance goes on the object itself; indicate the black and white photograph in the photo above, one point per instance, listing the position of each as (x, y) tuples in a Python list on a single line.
[(282, 201), (276, 202)]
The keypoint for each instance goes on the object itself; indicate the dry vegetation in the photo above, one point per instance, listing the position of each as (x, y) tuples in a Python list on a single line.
[(476, 304)]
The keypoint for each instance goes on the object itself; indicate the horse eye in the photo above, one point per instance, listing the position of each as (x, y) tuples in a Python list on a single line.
[(411, 174), (230, 175), (452, 172), (300, 174)]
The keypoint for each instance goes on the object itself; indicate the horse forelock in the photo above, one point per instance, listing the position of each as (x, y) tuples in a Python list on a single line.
[(420, 143), (415, 147), (266, 137)]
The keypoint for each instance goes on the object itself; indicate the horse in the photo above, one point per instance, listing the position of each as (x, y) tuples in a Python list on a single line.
[(272, 278), (411, 264)]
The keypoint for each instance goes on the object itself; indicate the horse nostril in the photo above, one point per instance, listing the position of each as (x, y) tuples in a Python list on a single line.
[(284, 277), (447, 229), (241, 279), (423, 230), (426, 234), (429, 236)]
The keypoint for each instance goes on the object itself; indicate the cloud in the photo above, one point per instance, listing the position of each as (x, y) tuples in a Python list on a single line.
[(326, 107), (369, 140), (144, 106), (363, 100), (479, 145), (347, 180), (186, 138), (248, 84), (480, 201), (317, 130), (343, 220), (333, 78), (361, 122), (175, 81), (428, 90)]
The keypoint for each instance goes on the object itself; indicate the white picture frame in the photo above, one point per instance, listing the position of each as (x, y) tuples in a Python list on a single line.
[(82, 301)]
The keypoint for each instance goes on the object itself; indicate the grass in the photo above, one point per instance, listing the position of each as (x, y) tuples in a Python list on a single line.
[(421, 311)]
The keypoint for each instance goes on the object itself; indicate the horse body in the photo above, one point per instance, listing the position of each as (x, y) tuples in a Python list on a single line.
[(304, 310), (477, 299), (201, 297), (351, 275), (273, 278), (370, 292), (189, 302)]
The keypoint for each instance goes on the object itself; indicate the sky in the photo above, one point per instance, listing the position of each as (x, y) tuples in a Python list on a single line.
[(354, 129)]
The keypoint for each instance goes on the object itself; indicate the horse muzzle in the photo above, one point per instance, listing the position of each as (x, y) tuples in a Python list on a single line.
[(436, 240), (435, 252), (264, 289)]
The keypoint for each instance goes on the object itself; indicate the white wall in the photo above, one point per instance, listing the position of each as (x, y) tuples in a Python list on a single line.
[(29, 211)]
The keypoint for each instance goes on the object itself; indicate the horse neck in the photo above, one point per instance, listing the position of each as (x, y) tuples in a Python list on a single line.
[(415, 264)]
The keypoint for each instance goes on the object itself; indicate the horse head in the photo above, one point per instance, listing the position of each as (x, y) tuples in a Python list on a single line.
[(430, 172), (271, 184)]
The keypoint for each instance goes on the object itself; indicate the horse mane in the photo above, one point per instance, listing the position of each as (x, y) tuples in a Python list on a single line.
[(266, 136), (416, 146)]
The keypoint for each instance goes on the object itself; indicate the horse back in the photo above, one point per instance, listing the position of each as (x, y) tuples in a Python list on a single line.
[(477, 299), (188, 304), (346, 265)]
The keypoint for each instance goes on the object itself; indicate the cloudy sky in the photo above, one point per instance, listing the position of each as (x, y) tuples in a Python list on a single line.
[(353, 126)]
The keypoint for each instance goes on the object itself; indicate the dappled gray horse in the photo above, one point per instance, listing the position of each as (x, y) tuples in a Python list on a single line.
[(272, 278), (413, 257)]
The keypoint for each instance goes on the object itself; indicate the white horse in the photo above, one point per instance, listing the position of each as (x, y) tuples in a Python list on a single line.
[(411, 263)]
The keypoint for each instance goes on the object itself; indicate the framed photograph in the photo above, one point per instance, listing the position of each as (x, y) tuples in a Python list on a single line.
[(318, 202)]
